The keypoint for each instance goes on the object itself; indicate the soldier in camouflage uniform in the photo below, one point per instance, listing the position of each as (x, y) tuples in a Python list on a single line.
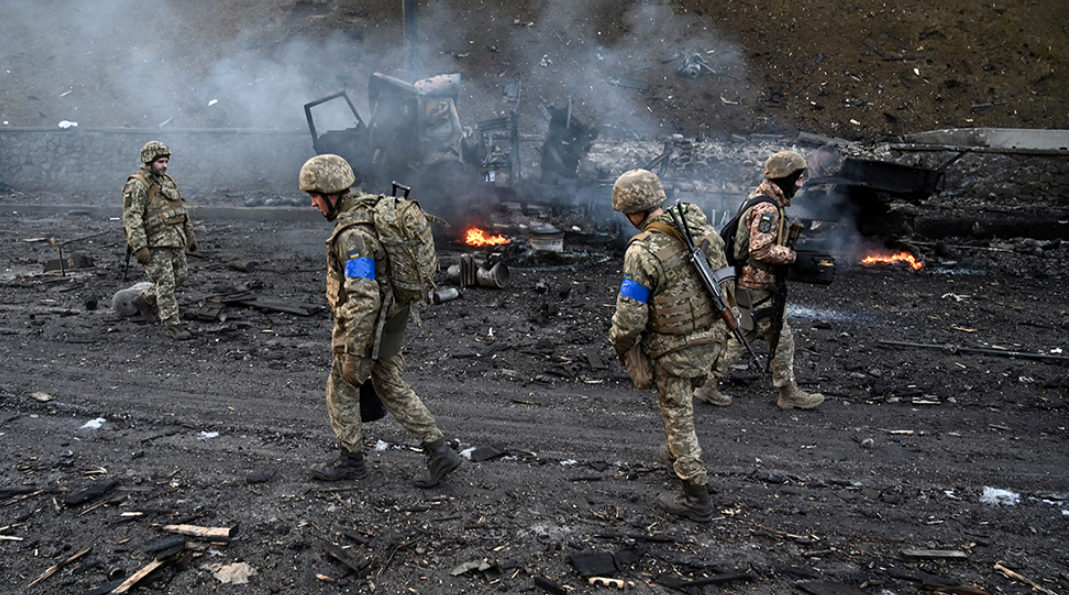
[(159, 231), (763, 274), (358, 288), (664, 306)]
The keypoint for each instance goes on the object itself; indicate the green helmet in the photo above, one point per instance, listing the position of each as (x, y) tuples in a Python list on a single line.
[(153, 150), (783, 164), (637, 191), (326, 174)]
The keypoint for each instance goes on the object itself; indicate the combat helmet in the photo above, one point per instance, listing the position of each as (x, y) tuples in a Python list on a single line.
[(637, 191), (326, 174), (154, 150), (783, 164)]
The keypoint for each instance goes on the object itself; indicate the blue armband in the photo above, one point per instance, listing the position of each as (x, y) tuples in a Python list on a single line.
[(635, 291), (360, 267)]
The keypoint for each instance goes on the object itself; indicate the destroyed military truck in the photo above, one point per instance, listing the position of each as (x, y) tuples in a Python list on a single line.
[(414, 137)]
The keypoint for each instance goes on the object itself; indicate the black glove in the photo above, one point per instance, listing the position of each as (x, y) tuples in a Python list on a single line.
[(192, 244), (144, 255)]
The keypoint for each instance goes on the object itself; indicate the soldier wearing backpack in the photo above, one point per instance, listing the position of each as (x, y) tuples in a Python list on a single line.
[(664, 314), (370, 306), (762, 245)]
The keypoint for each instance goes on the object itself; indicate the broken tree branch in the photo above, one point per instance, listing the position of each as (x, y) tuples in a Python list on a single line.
[(55, 568), (136, 577), (207, 532), (1017, 577)]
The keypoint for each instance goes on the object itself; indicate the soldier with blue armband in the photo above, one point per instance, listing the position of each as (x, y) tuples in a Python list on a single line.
[(369, 328), (665, 321)]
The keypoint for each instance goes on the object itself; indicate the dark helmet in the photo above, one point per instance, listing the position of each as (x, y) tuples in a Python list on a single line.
[(783, 164), (326, 174), (637, 191), (154, 150)]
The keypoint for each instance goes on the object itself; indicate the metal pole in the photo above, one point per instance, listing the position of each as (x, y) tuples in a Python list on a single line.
[(952, 349), (410, 10)]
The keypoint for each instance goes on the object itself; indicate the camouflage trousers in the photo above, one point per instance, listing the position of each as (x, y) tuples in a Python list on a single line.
[(343, 402), (674, 394), (782, 362), (168, 271)]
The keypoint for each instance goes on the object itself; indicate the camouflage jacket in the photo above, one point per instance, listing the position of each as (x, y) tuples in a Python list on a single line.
[(358, 286), (767, 224), (162, 222), (662, 299)]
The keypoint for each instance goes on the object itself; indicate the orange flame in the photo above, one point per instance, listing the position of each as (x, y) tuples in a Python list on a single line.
[(905, 257), (478, 237)]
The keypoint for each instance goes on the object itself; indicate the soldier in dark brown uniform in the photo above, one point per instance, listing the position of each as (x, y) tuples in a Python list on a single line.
[(763, 230)]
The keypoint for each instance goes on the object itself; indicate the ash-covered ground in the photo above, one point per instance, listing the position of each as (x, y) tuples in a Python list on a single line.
[(923, 465)]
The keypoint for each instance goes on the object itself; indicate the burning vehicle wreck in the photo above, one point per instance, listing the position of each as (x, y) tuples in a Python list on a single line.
[(414, 137)]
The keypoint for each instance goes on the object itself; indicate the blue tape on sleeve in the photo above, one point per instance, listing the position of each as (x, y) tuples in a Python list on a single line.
[(362, 267), (635, 291)]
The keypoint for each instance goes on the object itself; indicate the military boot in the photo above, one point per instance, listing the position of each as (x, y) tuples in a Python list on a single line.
[(710, 393), (176, 332), (144, 308), (792, 397), (348, 465), (441, 460), (693, 503)]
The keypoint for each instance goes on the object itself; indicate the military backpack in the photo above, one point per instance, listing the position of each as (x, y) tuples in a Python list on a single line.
[(737, 237), (404, 229)]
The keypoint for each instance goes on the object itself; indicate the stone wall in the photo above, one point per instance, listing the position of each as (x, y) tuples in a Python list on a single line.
[(224, 167), (93, 164)]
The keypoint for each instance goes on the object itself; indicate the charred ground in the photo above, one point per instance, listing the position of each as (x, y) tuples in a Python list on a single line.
[(219, 431)]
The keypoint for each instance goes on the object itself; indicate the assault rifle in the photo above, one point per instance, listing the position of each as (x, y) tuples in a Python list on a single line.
[(709, 280)]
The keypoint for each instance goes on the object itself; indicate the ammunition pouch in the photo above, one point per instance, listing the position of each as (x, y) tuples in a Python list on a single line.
[(811, 266), (162, 206), (639, 366)]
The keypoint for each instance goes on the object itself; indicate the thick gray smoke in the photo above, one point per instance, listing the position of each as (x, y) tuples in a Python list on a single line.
[(133, 64), (129, 63)]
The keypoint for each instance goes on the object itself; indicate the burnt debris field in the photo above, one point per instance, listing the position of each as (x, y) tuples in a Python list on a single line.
[(938, 462), (925, 467)]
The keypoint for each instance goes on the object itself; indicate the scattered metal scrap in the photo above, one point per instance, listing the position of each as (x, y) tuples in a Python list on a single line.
[(952, 349), (938, 584), (681, 584), (467, 273), (264, 303), (70, 263)]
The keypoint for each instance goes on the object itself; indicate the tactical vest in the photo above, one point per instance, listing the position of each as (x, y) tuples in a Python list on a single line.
[(160, 209), (742, 237), (683, 315)]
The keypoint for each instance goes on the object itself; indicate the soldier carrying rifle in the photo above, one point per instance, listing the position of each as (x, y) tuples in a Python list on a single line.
[(765, 247), (666, 326)]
